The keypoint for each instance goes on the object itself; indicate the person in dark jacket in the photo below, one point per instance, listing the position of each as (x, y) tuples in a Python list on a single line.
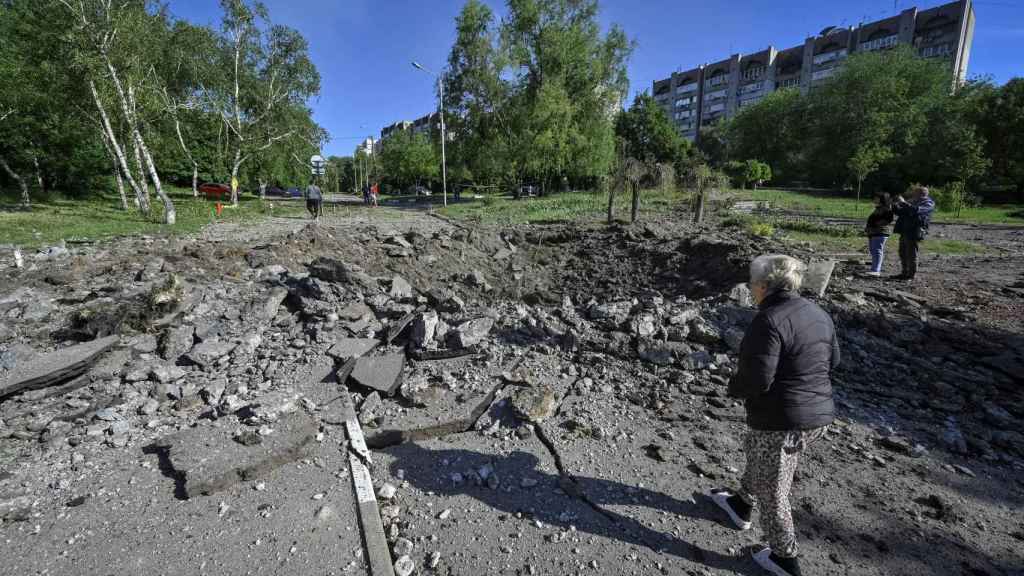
[(314, 200), (784, 375), (878, 229), (912, 220)]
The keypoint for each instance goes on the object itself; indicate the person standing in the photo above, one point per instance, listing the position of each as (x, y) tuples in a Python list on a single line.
[(912, 221), (878, 229), (314, 200), (374, 193), (784, 375)]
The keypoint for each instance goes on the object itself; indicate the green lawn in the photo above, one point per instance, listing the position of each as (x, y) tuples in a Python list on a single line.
[(96, 218), (587, 206), (843, 207), (838, 244)]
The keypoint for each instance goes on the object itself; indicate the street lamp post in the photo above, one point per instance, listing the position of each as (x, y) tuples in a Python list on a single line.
[(444, 135)]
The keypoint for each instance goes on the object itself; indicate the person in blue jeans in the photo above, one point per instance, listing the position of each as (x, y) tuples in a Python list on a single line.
[(878, 229)]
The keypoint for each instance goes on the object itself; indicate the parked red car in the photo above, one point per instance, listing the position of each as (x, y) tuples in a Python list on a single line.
[(214, 191)]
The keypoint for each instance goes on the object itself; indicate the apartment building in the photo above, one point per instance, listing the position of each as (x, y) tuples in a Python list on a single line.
[(705, 94)]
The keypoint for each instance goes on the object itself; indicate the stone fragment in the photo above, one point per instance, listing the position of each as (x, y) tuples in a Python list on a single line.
[(266, 309), (740, 294), (369, 408), (354, 311), (534, 403), (382, 373), (208, 352), (703, 332), (423, 329), (402, 547), (401, 290), (207, 459), (176, 341), (149, 407), (404, 566), (469, 333), (166, 374), (817, 277), (333, 270), (387, 491), (348, 348), (47, 369)]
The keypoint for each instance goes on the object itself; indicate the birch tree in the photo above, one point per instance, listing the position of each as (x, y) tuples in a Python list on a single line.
[(269, 78), (113, 40)]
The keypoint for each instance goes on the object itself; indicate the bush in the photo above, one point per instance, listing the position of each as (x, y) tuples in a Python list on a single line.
[(953, 198), (761, 229)]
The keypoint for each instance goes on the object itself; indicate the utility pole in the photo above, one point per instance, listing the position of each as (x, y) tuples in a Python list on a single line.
[(444, 136)]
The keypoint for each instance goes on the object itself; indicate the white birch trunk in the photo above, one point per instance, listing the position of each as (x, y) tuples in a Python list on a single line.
[(118, 151), (26, 200), (234, 176), (39, 174)]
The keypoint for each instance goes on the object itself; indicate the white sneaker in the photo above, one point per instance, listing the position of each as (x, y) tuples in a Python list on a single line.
[(764, 560), (722, 499), (874, 274)]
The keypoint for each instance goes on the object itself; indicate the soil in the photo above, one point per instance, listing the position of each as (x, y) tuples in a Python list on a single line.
[(593, 456)]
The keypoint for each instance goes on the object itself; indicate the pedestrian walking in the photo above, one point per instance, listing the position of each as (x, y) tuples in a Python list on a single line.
[(878, 229), (784, 375), (314, 201), (912, 220), (374, 193)]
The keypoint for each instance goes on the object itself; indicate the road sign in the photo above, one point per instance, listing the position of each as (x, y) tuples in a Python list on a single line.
[(317, 161)]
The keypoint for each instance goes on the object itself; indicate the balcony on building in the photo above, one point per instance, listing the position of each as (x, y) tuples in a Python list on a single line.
[(936, 36), (686, 88), (884, 42), (718, 78)]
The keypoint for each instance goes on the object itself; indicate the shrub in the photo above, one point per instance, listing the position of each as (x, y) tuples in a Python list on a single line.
[(761, 229)]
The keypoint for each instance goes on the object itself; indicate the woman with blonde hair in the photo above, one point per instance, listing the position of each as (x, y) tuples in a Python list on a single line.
[(784, 375)]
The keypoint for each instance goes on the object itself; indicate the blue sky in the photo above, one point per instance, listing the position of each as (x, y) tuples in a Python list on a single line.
[(363, 48)]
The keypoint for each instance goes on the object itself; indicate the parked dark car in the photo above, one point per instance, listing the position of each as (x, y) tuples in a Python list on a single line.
[(277, 191), (214, 191), (294, 192), (419, 190)]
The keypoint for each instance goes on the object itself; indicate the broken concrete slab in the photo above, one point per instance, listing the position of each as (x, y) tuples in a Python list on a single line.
[(470, 332), (381, 373), (423, 329), (207, 459), (441, 412), (401, 290), (57, 366), (266, 309), (333, 270), (402, 322), (209, 351), (348, 348), (176, 341), (817, 277)]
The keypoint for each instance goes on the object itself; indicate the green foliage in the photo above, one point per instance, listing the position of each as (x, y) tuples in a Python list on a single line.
[(761, 229), (179, 80), (747, 172), (885, 119), (530, 97), (649, 134), (408, 159)]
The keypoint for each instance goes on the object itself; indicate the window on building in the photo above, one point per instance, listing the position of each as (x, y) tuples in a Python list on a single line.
[(826, 57), (750, 88), (717, 80), (938, 50), (715, 108), (789, 82), (686, 88), (685, 101), (687, 125), (754, 71), (822, 74), (879, 43), (716, 95), (662, 89)]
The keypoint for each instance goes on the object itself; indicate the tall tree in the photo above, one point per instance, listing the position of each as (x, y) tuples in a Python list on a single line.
[(268, 82), (649, 134)]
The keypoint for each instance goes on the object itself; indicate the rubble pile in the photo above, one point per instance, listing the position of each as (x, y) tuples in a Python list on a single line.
[(512, 337)]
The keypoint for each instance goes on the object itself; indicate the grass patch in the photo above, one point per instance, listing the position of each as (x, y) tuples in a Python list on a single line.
[(100, 217), (857, 244), (832, 206), (585, 206)]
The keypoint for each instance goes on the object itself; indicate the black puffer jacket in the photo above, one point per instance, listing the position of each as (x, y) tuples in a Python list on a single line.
[(785, 365)]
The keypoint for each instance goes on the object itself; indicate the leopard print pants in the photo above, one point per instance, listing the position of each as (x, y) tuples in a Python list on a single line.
[(771, 461)]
